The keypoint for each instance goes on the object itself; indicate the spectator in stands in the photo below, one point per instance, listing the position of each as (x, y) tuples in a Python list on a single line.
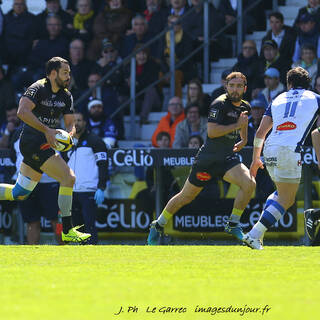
[(195, 142), (139, 34), (307, 34), (178, 7), (248, 63), (229, 10), (196, 95), (257, 112), (163, 140), (308, 61), (316, 87), (8, 127), (88, 160), (169, 122), (55, 45), (193, 25), (147, 72), (193, 124), (111, 23), (100, 125), (80, 66), (283, 35), (7, 97), (18, 34), (156, 16), (83, 21), (273, 86), (272, 59), (222, 89), (183, 47), (71, 6), (52, 8), (312, 8)]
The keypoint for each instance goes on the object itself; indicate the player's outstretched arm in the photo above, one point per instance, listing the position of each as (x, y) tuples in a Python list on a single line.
[(315, 135), (264, 128), (25, 114)]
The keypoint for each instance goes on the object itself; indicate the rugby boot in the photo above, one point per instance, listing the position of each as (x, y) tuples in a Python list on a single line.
[(156, 231), (234, 229), (311, 220), (74, 235), (252, 242)]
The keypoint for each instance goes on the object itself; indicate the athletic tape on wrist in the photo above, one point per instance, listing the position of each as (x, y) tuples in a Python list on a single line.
[(257, 142)]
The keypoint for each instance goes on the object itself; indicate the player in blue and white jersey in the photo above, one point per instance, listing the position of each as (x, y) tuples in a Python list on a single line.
[(291, 117)]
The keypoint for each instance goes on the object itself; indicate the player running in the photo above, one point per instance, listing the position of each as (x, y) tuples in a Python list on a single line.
[(40, 108), (291, 116), (216, 158)]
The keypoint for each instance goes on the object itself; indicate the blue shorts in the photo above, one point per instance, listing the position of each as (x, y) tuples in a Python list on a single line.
[(42, 202)]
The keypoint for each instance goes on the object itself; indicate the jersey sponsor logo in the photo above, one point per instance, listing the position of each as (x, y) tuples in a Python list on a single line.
[(232, 114), (213, 114), (286, 126), (50, 103), (203, 176), (31, 92)]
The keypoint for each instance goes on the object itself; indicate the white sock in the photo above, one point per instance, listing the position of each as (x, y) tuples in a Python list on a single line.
[(257, 231), (162, 220)]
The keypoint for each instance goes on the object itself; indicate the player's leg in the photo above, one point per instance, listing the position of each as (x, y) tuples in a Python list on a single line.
[(276, 208), (27, 180), (185, 196), (240, 176), (58, 169)]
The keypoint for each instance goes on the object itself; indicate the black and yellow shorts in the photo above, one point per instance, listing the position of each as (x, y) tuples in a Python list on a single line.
[(201, 173), (35, 150)]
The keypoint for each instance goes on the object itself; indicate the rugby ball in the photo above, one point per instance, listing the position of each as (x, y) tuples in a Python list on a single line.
[(64, 140)]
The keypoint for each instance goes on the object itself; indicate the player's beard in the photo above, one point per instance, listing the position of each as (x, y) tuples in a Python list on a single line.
[(235, 97), (62, 84)]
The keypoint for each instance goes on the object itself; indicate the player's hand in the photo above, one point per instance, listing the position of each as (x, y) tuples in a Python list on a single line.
[(51, 137), (99, 196), (243, 119), (255, 165), (239, 145)]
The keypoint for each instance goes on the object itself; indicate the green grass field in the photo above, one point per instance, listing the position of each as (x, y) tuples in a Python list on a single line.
[(92, 282)]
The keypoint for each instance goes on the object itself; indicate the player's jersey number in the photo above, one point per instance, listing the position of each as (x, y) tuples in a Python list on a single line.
[(290, 109)]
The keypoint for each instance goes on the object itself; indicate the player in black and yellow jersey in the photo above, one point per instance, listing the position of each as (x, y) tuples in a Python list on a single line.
[(40, 108), (228, 117)]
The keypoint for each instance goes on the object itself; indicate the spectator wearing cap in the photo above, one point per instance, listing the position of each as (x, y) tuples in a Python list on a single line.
[(283, 35), (139, 34), (169, 122), (272, 59), (308, 61), (221, 90), (312, 8), (307, 34), (273, 86), (100, 125), (193, 124), (248, 64), (112, 23), (53, 7)]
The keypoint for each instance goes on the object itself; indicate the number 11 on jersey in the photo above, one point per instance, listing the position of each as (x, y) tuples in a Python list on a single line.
[(290, 107)]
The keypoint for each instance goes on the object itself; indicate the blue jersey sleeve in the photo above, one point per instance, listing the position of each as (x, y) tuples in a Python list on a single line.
[(268, 111)]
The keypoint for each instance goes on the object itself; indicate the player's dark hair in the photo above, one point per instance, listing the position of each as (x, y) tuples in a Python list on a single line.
[(162, 134), (298, 78), (55, 64), (277, 15), (236, 74)]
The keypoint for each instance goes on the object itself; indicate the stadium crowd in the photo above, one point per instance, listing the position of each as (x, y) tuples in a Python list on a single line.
[(94, 36)]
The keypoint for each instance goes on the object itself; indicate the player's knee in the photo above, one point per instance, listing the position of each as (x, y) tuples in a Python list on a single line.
[(249, 185), (23, 188)]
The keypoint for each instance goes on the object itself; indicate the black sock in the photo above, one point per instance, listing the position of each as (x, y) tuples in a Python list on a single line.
[(66, 224)]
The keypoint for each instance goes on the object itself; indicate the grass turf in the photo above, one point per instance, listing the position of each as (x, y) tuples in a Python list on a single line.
[(92, 282)]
